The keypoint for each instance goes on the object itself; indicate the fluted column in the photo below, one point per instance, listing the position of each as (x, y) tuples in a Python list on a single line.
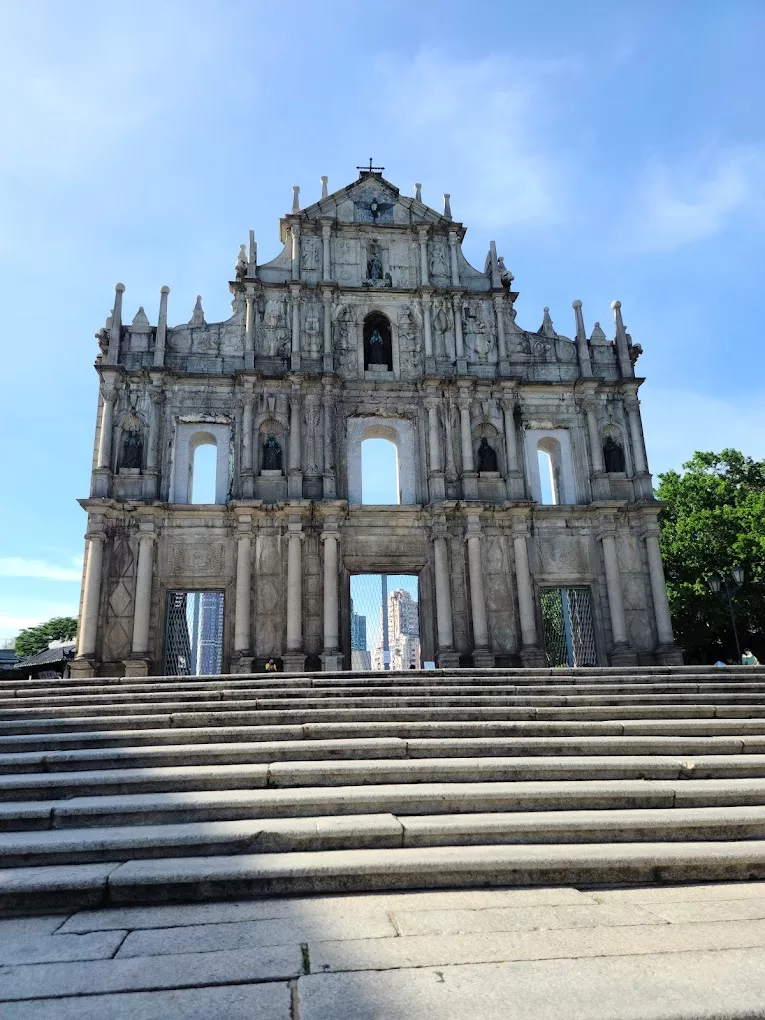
[(658, 588), (91, 596), (294, 659), (422, 235), (142, 603), (454, 260), (249, 330), (104, 461), (242, 637), (446, 654), (481, 655), (331, 599), (458, 337), (620, 654), (326, 233)]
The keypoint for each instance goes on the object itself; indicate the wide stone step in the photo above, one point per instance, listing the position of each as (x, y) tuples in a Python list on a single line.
[(50, 741), (360, 750), (124, 843), (380, 771), (248, 875), (407, 798)]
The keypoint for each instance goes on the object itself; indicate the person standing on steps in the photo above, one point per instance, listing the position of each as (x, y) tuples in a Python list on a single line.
[(271, 666), (749, 658)]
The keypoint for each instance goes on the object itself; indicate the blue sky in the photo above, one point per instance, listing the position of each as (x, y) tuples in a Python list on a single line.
[(612, 149)]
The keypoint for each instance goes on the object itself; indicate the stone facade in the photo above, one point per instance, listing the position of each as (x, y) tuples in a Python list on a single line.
[(369, 323)]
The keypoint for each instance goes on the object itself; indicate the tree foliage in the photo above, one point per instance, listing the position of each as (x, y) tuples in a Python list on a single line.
[(34, 639), (715, 520)]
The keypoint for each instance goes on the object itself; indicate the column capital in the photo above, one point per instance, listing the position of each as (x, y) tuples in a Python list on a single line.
[(432, 402), (422, 232), (473, 525), (631, 402), (95, 536), (294, 226), (109, 390), (326, 230), (453, 239), (330, 532), (296, 289)]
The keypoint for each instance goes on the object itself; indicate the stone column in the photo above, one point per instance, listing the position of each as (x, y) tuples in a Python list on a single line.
[(104, 461), (139, 662), (249, 330), (531, 654), (113, 353), (295, 342), (422, 234), (481, 653), (451, 470), (469, 477), (294, 659), (328, 360), (446, 655), (454, 260), (242, 636), (501, 339), (668, 652), (247, 470), (159, 343), (632, 407), (514, 477), (151, 474), (458, 338), (596, 449), (295, 475), (427, 330), (435, 474), (295, 250), (330, 483), (91, 601), (326, 265), (621, 655), (331, 658)]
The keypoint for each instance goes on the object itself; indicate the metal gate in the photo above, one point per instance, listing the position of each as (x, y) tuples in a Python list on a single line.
[(567, 627), (385, 640), (193, 633)]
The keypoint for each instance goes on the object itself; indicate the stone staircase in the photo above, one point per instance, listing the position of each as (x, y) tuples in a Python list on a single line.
[(134, 790)]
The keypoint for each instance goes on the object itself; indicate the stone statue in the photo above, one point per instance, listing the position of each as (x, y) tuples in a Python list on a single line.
[(613, 455), (241, 263), (309, 260), (376, 349), (388, 280), (272, 454), (132, 450), (487, 458), (374, 265)]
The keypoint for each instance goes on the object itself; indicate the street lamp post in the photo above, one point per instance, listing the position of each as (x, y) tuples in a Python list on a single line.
[(716, 582)]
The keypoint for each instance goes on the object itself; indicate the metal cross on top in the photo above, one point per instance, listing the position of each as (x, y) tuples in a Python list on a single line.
[(371, 169)]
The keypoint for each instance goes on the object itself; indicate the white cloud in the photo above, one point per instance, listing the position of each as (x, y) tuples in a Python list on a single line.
[(687, 201), (19, 566), (482, 121), (677, 423)]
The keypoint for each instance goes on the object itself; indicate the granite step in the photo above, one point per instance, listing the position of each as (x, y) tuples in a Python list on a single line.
[(407, 798), (368, 832), (150, 779), (360, 750), (179, 879), (54, 741)]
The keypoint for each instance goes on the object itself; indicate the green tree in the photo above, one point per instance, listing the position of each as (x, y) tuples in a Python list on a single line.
[(715, 520), (34, 639)]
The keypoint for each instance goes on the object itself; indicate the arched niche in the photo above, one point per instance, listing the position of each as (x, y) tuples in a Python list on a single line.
[(398, 431), (268, 462), (614, 449), (189, 436), (378, 342)]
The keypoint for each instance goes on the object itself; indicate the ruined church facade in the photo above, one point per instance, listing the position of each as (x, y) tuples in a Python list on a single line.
[(525, 504)]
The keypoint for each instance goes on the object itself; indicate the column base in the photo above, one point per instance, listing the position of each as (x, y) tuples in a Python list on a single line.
[(82, 668), (504, 367), (669, 655), (430, 365), (294, 662), (331, 662), (294, 363), (101, 482), (242, 663), (622, 655), (150, 479), (137, 666), (248, 485), (436, 487), (601, 487), (532, 657), (249, 360), (447, 659), (328, 363), (470, 485), (461, 366), (295, 485), (514, 485), (483, 659)]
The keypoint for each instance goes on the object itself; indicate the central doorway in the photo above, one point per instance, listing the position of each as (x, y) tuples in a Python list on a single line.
[(193, 633), (385, 622)]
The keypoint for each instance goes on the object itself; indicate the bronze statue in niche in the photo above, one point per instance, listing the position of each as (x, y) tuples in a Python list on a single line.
[(378, 345), (272, 454), (613, 456), (487, 458), (132, 449)]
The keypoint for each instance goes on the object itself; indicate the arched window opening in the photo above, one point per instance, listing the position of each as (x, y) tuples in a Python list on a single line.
[(203, 468), (380, 482), (549, 460), (378, 344)]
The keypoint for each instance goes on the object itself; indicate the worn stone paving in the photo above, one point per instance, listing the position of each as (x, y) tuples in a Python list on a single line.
[(686, 952)]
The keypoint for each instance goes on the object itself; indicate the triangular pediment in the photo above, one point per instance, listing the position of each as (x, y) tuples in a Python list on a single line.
[(374, 200)]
